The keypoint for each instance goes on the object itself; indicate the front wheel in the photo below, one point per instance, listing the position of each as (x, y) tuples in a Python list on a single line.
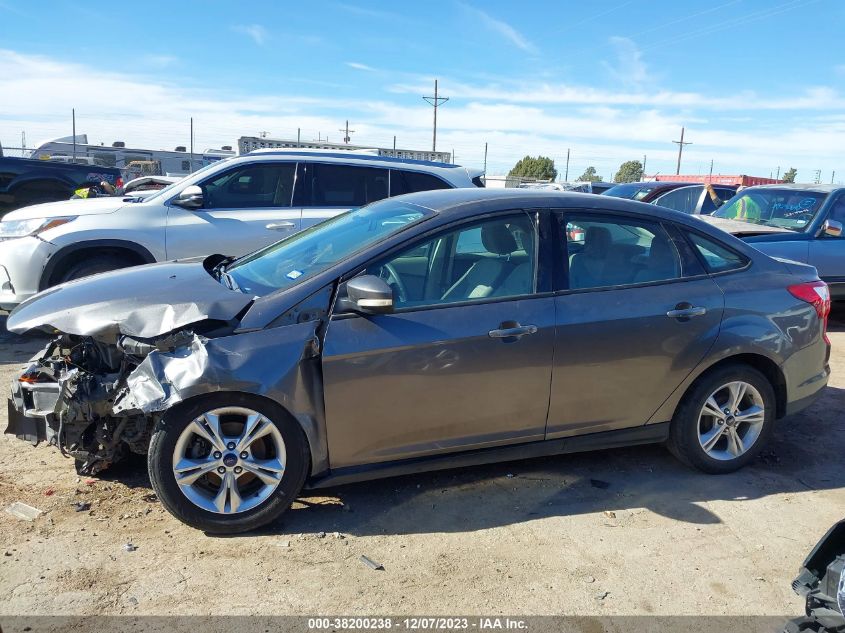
[(724, 421), (227, 463)]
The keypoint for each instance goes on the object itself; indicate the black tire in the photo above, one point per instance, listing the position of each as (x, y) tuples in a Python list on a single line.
[(684, 435), (160, 465), (92, 266)]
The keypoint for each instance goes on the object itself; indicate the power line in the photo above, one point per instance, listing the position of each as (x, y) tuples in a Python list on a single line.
[(435, 101), (681, 144)]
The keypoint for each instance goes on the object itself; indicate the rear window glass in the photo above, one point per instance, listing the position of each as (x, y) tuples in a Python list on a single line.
[(346, 185), (412, 181), (717, 258)]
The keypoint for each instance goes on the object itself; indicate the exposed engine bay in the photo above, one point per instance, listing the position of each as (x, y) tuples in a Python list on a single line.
[(80, 387)]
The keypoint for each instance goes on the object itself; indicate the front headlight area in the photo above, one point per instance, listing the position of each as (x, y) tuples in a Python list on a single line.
[(13, 229)]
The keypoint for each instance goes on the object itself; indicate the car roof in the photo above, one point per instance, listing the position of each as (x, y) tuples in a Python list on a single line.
[(345, 157), (468, 201), (798, 186)]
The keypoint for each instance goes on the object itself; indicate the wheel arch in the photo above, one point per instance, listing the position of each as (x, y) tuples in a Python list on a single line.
[(73, 253), (765, 365), (264, 400)]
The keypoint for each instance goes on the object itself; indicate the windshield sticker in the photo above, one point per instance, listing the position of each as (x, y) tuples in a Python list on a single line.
[(803, 206), (294, 274)]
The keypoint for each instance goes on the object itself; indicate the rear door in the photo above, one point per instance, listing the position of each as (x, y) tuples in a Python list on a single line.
[(636, 314), (463, 362), (244, 208), (332, 188)]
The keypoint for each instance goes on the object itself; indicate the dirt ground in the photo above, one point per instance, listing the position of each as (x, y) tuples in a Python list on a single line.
[(533, 537)]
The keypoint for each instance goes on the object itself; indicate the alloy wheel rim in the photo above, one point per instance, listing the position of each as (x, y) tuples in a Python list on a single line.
[(731, 420), (229, 460)]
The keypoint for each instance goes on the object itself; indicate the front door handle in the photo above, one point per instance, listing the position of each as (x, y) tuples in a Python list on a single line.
[(281, 226), (512, 330), (684, 311)]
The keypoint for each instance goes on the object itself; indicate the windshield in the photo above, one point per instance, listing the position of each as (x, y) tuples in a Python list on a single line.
[(786, 208), (632, 190), (305, 254)]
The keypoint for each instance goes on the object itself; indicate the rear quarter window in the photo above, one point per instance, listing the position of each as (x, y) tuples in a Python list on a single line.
[(412, 181), (717, 258)]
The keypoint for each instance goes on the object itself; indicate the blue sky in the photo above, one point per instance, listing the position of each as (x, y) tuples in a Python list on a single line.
[(758, 84)]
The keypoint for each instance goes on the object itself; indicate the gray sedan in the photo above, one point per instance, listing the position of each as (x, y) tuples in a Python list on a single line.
[(427, 331)]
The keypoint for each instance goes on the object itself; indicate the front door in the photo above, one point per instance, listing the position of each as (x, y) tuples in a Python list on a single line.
[(244, 208), (827, 253), (633, 323), (463, 362)]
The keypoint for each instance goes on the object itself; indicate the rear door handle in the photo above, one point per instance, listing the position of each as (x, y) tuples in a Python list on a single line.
[(513, 332), (685, 311), (281, 226)]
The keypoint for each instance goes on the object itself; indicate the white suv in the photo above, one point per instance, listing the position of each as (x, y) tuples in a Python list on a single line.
[(232, 207)]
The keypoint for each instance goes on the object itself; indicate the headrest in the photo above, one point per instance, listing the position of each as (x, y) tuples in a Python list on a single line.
[(597, 238), (498, 239)]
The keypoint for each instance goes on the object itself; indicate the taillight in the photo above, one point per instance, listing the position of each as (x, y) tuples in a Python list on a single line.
[(817, 294)]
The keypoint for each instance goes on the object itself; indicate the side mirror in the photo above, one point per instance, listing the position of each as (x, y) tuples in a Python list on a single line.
[(189, 198), (368, 294), (832, 228)]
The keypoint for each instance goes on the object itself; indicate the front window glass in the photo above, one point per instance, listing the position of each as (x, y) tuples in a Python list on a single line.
[(305, 254), (250, 186), (786, 208), (492, 258), (604, 253)]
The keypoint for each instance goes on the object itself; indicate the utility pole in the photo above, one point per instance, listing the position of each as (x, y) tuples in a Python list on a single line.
[(435, 101), (394, 143), (347, 132), (818, 176), (832, 174), (710, 178), (681, 144), (192, 144), (23, 144), (73, 117), (778, 176), (298, 132), (453, 155), (485, 162), (644, 159), (566, 176)]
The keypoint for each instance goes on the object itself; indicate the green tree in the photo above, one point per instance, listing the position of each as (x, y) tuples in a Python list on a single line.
[(629, 171), (589, 175), (539, 168), (789, 175)]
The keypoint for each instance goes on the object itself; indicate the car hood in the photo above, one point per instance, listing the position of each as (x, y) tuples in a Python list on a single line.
[(143, 301), (78, 206), (742, 229)]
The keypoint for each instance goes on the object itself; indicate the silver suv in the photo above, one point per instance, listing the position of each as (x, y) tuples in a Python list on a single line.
[(232, 207)]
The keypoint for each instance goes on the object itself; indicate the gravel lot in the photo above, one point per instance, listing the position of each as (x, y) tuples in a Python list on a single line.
[(532, 537)]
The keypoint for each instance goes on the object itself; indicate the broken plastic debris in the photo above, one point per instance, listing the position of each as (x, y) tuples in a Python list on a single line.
[(23, 511), (371, 563), (82, 506), (129, 547)]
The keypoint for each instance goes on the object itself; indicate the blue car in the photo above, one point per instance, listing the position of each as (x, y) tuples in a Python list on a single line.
[(793, 221)]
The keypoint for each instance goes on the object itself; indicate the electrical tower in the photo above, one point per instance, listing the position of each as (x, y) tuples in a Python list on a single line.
[(435, 101)]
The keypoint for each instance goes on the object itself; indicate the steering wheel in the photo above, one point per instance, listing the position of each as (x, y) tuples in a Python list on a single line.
[(389, 274)]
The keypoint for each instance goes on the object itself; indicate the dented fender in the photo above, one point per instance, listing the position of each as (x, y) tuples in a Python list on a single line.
[(281, 363)]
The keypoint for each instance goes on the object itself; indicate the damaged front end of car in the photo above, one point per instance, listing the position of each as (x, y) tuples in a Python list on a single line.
[(130, 345), (76, 395)]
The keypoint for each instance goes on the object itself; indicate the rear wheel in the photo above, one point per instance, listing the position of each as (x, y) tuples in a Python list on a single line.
[(227, 463), (724, 421)]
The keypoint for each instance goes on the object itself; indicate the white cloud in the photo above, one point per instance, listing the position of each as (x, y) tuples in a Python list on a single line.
[(602, 128), (257, 32), (629, 68), (504, 29), (359, 66)]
